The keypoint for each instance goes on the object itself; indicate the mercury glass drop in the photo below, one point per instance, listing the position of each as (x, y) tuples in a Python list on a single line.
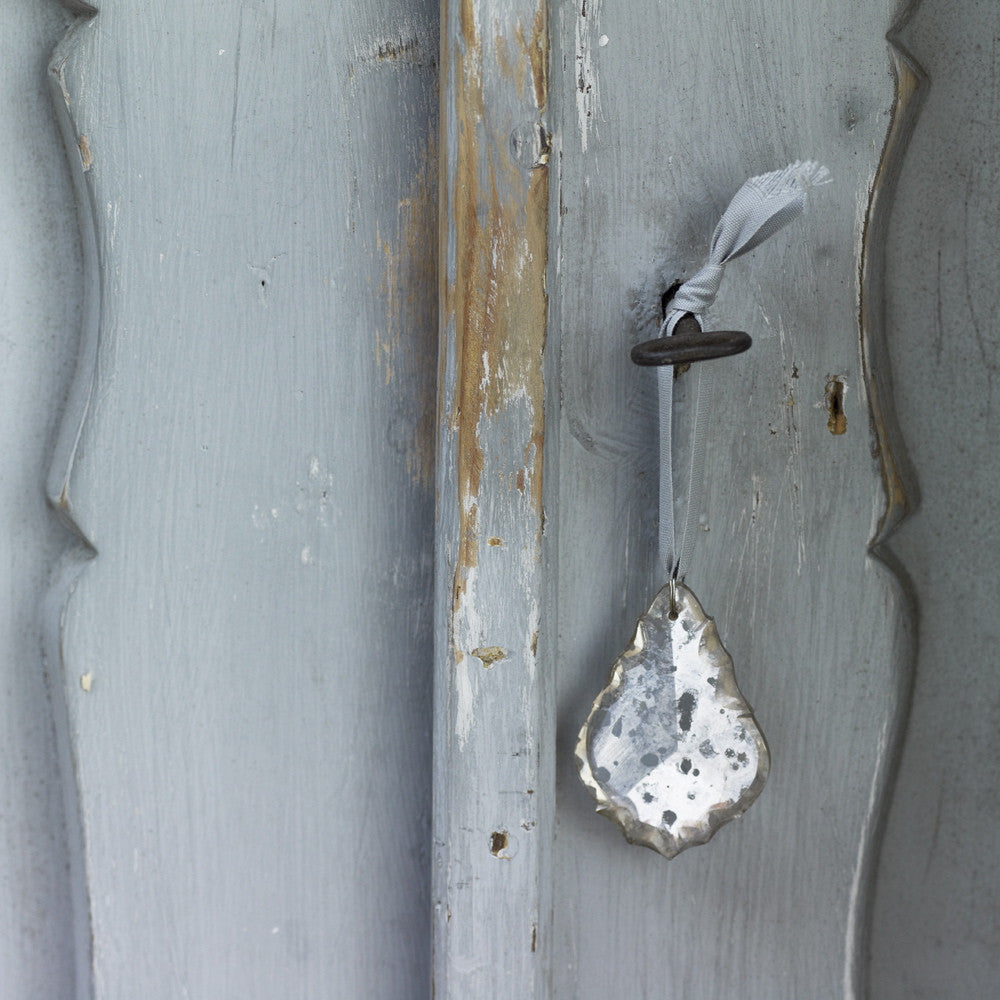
[(671, 750)]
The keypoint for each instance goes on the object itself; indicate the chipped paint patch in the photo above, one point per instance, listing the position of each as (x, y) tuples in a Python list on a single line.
[(499, 843), (490, 655), (86, 156)]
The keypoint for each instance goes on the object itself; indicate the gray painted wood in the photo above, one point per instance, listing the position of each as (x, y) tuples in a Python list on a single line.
[(250, 805), (494, 721), (657, 120), (39, 261), (248, 457), (936, 929)]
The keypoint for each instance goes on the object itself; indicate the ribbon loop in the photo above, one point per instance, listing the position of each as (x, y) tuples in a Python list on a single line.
[(761, 207)]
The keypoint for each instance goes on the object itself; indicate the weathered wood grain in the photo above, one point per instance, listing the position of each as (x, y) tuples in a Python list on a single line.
[(248, 456), (658, 118), (493, 784)]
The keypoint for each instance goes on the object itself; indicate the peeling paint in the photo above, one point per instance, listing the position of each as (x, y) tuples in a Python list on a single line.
[(490, 655), (837, 419), (497, 297), (493, 248)]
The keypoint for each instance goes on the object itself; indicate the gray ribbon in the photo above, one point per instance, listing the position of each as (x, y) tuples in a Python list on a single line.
[(758, 210)]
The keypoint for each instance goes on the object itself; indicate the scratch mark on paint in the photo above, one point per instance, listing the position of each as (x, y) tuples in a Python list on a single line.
[(236, 90), (464, 702), (398, 49), (405, 46), (985, 355), (407, 288), (538, 57), (587, 94), (792, 476), (939, 315), (111, 214), (467, 627)]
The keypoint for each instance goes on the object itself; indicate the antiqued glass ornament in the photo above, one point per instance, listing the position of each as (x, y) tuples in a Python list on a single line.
[(671, 750)]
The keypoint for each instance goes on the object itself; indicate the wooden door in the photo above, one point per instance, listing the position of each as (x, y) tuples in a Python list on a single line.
[(319, 339)]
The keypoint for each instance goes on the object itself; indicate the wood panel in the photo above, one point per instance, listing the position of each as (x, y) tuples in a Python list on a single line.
[(40, 283), (248, 459), (658, 117), (936, 928)]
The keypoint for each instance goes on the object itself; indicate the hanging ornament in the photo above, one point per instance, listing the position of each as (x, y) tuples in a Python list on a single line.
[(671, 750)]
